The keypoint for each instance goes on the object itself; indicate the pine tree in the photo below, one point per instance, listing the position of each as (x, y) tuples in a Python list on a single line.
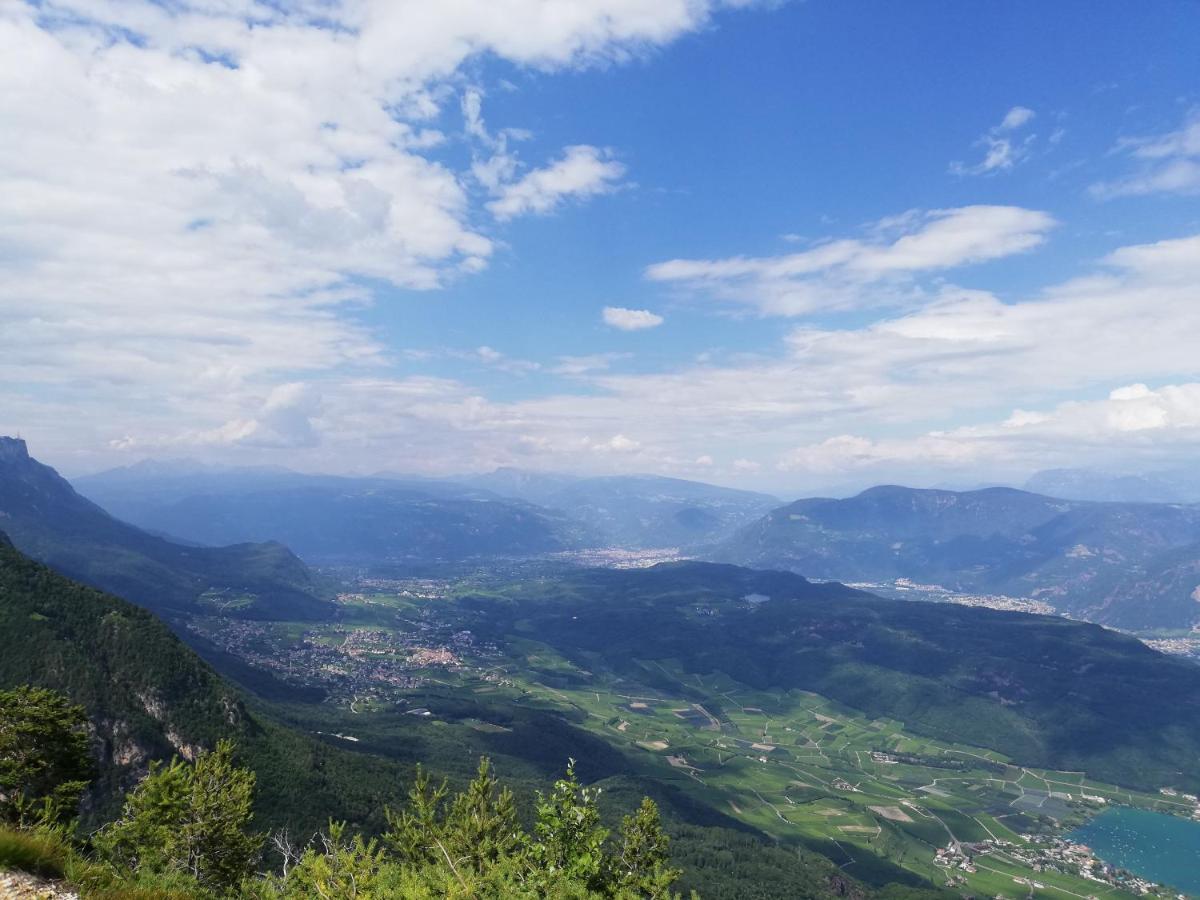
[(570, 838), (641, 864), (44, 761), (477, 829), (189, 818)]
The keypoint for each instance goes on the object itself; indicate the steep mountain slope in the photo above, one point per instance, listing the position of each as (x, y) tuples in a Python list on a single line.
[(48, 520), (1084, 558), (637, 510), (149, 697), (1043, 690)]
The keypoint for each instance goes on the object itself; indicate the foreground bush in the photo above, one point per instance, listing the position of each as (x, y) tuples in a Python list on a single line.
[(185, 832), (190, 819), (473, 846)]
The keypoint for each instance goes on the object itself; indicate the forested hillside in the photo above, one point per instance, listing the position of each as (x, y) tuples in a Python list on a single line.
[(1043, 690)]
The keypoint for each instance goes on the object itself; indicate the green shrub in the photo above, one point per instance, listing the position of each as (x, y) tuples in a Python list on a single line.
[(189, 819), (44, 761)]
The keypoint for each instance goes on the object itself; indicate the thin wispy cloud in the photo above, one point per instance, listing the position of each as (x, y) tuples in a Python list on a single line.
[(879, 270), (1003, 147), (581, 172), (1164, 164)]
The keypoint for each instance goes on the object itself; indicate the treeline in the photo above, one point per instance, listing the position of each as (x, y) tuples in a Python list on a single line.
[(186, 831)]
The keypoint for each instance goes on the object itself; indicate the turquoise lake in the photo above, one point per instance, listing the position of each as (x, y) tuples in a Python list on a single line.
[(1162, 848)]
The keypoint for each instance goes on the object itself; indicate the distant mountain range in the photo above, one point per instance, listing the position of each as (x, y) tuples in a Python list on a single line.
[(326, 519), (1175, 486), (46, 519), (330, 519), (1127, 564), (1133, 565), (636, 511)]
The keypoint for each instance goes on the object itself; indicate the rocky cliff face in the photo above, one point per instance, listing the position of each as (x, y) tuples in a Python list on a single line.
[(13, 449)]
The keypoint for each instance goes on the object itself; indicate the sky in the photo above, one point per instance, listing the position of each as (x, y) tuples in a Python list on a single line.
[(778, 245)]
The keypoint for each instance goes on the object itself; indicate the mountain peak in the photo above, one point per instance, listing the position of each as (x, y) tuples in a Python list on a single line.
[(13, 449)]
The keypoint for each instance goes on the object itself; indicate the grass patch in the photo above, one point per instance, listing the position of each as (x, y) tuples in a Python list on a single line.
[(37, 853)]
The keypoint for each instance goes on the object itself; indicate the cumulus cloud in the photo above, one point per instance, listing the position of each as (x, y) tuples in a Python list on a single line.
[(618, 443), (1166, 163), (284, 420), (630, 319), (880, 269), (846, 452), (1002, 149), (198, 194), (582, 171), (1133, 421)]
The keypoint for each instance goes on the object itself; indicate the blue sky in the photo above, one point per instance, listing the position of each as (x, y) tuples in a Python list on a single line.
[(931, 242)]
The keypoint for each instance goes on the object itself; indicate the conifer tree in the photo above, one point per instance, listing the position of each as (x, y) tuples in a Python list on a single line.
[(569, 837), (44, 761), (189, 818), (641, 864)]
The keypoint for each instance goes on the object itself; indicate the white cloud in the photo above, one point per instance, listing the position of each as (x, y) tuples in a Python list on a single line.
[(846, 452), (1016, 117), (1167, 163), (584, 365), (1133, 421), (1002, 149), (878, 271), (630, 319), (283, 421), (618, 443), (497, 360), (582, 171), (196, 193), (881, 401)]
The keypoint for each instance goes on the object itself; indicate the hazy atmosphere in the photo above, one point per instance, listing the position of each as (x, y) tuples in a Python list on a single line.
[(784, 246)]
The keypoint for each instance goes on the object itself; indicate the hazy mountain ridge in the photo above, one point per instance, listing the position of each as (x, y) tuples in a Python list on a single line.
[(46, 519), (1172, 486), (635, 511), (1123, 564), (331, 519), (400, 518)]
